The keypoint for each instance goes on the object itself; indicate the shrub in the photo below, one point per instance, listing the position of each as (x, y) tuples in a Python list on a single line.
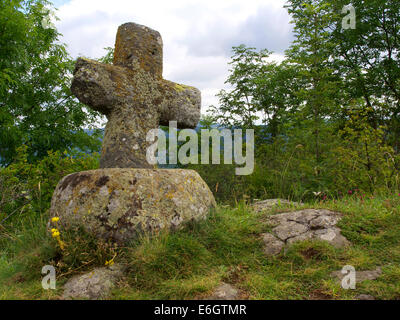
[(26, 188)]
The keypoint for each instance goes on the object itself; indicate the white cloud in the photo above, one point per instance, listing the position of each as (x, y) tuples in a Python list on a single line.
[(197, 34)]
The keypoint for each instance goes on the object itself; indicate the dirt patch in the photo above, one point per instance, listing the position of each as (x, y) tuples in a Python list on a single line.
[(311, 253), (318, 294), (18, 278), (235, 274)]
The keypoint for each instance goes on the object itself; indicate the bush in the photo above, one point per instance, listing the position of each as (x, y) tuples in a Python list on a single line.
[(352, 159), (26, 188)]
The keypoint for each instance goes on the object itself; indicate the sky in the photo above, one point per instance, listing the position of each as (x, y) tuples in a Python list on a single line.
[(198, 35)]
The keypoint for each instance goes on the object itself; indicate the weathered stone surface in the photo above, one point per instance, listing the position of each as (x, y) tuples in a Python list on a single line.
[(273, 245), (266, 205), (324, 221), (117, 204), (94, 285), (333, 236), (301, 237), (224, 292), (133, 96), (360, 275), (290, 227)]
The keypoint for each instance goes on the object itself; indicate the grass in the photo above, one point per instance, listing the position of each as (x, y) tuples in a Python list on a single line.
[(227, 247)]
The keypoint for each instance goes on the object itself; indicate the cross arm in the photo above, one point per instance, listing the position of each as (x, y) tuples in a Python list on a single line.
[(179, 103), (94, 84)]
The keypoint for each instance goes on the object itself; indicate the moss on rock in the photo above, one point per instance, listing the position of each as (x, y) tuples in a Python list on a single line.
[(119, 204)]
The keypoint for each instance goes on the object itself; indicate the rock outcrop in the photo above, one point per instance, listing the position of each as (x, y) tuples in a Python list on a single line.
[(301, 225)]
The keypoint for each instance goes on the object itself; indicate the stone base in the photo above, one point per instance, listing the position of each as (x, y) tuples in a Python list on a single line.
[(118, 204)]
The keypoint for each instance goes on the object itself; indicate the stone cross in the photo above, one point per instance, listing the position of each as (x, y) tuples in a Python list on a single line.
[(133, 96)]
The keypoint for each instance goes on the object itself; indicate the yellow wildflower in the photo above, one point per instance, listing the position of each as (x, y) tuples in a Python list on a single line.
[(61, 244), (55, 219), (109, 263), (55, 233)]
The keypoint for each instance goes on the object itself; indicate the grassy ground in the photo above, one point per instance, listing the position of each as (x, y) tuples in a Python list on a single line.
[(227, 248)]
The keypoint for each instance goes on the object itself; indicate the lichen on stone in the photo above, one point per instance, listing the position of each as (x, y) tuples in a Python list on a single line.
[(134, 96), (130, 201), (118, 202), (182, 87)]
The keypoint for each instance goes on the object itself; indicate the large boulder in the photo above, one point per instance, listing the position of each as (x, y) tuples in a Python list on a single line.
[(118, 204)]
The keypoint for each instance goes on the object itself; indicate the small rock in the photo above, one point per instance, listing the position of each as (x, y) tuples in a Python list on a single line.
[(93, 285), (266, 205), (224, 292), (365, 297), (369, 275), (360, 275), (273, 245)]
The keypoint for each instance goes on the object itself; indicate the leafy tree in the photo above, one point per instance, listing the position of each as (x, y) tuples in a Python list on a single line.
[(363, 160), (311, 53), (109, 56), (367, 57), (332, 104), (37, 108), (274, 95), (237, 106)]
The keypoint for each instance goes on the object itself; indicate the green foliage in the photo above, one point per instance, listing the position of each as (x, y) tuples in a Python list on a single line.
[(26, 189), (109, 57), (363, 158), (237, 106), (227, 247), (367, 59), (355, 158), (36, 106), (331, 111), (80, 251), (313, 140)]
